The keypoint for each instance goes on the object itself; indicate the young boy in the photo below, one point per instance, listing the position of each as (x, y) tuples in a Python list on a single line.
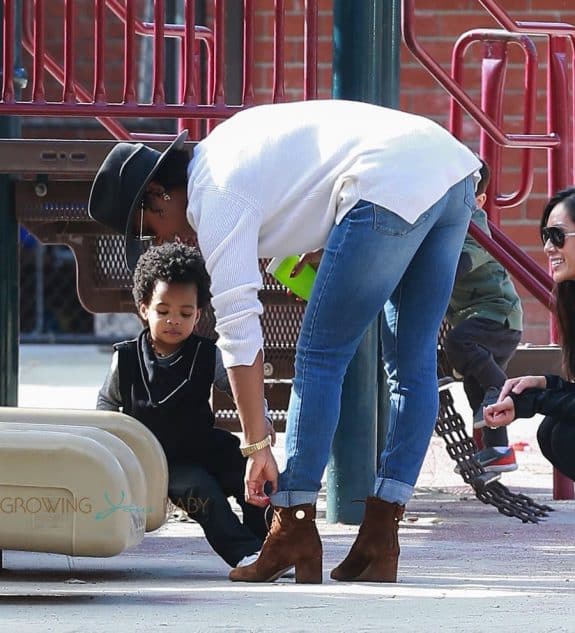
[(486, 318), (164, 378)]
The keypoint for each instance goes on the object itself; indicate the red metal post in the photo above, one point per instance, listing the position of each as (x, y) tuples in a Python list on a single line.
[(310, 50), (189, 76), (278, 94), (129, 95), (217, 95), (216, 69), (158, 94), (8, 94), (38, 92), (69, 53), (493, 73), (189, 86), (99, 52)]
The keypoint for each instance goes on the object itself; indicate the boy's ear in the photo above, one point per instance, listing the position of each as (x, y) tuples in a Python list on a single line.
[(481, 199), (198, 315), (143, 312)]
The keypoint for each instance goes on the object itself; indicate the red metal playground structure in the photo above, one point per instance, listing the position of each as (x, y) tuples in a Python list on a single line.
[(49, 194)]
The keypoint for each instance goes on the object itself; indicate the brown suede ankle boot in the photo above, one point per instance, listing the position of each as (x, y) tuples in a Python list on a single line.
[(293, 540), (374, 555)]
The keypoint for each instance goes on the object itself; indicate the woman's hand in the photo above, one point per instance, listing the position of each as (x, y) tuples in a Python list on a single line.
[(501, 413), (517, 385), (260, 469), (312, 258)]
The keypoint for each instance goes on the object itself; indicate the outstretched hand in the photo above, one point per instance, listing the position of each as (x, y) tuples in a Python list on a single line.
[(519, 384), (501, 413), (260, 469)]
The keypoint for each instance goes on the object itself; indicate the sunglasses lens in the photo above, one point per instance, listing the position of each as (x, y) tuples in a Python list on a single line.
[(555, 235)]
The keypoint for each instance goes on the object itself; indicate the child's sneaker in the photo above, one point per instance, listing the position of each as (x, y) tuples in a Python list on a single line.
[(496, 459), (248, 560), (491, 397)]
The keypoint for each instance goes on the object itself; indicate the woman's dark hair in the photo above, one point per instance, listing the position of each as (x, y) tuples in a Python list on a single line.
[(564, 291), (171, 262), (173, 172)]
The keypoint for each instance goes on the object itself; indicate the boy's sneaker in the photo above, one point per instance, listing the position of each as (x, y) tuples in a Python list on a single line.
[(491, 397), (248, 560), (495, 459)]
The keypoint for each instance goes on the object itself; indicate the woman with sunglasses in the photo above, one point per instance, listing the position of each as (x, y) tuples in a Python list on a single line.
[(551, 395)]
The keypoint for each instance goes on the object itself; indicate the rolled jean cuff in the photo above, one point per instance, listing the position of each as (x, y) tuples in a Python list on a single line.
[(289, 498), (392, 491)]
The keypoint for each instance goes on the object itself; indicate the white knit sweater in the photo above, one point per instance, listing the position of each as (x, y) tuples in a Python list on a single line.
[(274, 179)]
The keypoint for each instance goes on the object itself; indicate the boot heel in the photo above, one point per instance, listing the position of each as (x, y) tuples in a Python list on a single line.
[(374, 555), (309, 571)]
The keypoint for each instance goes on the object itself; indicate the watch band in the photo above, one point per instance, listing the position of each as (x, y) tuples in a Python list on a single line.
[(248, 449)]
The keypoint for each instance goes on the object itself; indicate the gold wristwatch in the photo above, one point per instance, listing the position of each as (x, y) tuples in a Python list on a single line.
[(248, 449)]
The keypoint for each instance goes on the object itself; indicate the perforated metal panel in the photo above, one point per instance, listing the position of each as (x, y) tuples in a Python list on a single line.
[(104, 283)]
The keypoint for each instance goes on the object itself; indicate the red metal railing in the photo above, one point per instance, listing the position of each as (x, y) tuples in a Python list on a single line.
[(558, 140), (78, 100), (493, 70)]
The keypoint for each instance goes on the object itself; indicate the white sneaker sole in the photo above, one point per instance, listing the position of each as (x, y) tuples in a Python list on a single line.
[(506, 468)]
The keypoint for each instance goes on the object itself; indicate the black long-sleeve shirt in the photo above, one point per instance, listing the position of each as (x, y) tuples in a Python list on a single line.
[(556, 400)]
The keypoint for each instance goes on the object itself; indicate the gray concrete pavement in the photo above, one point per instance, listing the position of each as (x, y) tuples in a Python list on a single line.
[(464, 566)]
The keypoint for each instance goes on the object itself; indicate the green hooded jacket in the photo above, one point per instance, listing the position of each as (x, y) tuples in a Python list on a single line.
[(483, 288)]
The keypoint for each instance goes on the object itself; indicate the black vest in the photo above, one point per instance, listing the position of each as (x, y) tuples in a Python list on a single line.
[(172, 400)]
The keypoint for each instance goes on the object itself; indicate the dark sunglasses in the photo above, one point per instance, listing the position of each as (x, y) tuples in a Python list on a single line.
[(555, 234)]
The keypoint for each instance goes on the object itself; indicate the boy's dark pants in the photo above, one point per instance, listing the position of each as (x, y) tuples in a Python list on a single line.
[(480, 349), (204, 497)]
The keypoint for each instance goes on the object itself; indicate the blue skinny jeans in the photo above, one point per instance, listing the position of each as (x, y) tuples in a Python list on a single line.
[(375, 261)]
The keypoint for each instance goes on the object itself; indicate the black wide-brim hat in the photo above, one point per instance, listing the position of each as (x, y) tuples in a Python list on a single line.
[(120, 185)]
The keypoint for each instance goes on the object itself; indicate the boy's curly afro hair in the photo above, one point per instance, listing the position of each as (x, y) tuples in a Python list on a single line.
[(171, 262)]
